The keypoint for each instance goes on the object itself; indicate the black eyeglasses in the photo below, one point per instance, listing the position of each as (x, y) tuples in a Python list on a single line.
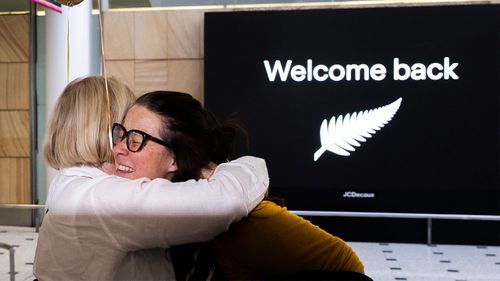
[(136, 140)]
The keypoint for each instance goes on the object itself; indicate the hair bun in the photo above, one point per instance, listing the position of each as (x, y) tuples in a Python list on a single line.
[(222, 143)]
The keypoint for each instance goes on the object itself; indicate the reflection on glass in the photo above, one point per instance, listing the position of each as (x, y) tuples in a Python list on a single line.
[(116, 4)]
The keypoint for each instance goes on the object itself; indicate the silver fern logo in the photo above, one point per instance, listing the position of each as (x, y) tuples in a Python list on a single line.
[(342, 134)]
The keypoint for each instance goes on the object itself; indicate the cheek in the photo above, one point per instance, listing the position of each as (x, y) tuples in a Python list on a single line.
[(155, 166), (167, 162), (143, 165)]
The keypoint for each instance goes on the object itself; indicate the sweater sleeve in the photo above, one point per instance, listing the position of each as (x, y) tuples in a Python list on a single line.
[(275, 242), (145, 214)]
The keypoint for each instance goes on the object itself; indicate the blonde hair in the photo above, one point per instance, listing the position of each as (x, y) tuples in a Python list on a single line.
[(78, 131)]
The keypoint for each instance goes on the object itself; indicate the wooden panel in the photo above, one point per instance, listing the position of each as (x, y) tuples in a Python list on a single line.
[(168, 50), (119, 35), (151, 35), (18, 86), (15, 180), (185, 34), (186, 76), (3, 85), (14, 116), (150, 76), (122, 70), (14, 38), (14, 133)]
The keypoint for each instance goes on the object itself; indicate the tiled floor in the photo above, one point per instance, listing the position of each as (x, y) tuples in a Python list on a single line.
[(417, 262), (383, 261), (23, 239)]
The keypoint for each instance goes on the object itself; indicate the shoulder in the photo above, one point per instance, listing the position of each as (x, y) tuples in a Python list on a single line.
[(268, 217), (267, 208)]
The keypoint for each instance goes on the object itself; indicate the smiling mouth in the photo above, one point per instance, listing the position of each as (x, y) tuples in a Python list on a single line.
[(122, 168)]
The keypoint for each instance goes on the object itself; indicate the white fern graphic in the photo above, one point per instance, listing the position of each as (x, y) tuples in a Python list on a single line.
[(342, 134)]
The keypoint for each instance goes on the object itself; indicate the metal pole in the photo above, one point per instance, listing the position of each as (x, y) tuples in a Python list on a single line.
[(104, 5), (11, 260), (33, 110), (21, 206), (397, 215), (429, 232), (12, 264)]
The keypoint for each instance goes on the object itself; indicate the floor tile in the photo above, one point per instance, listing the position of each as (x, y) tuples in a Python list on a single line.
[(383, 261)]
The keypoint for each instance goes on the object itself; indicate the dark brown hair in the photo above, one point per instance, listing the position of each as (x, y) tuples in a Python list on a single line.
[(195, 136)]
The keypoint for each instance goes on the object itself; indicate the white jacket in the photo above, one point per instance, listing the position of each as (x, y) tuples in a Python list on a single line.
[(103, 227)]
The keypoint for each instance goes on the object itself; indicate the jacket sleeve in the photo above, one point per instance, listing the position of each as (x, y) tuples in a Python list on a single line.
[(273, 242), (144, 214)]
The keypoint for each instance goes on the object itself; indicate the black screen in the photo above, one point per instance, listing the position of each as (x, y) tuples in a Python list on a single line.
[(420, 87)]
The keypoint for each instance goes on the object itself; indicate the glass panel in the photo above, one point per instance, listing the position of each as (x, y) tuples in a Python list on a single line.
[(23, 5), (116, 4), (14, 6)]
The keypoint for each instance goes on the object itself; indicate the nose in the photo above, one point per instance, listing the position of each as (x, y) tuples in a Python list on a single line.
[(121, 148)]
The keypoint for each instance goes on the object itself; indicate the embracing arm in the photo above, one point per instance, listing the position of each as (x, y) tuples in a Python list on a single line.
[(275, 242), (143, 214)]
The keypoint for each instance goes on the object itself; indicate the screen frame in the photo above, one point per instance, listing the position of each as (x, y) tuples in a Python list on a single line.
[(394, 214)]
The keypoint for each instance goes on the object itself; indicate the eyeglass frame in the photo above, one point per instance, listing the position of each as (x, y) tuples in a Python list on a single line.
[(145, 138)]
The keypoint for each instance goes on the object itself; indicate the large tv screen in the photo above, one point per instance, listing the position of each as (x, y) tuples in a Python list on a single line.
[(369, 109)]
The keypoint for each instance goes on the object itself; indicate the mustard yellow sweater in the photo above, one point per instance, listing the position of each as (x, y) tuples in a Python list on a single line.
[(272, 241)]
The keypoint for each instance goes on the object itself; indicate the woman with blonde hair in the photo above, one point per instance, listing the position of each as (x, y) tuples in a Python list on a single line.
[(81, 114), (104, 227)]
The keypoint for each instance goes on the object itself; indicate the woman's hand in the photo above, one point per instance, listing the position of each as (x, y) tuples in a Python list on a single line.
[(208, 171), (108, 168)]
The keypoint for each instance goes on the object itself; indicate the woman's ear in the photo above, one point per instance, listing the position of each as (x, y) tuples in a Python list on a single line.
[(172, 170), (173, 166)]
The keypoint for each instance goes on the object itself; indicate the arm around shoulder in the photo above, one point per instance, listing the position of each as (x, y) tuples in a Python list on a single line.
[(249, 172), (160, 213)]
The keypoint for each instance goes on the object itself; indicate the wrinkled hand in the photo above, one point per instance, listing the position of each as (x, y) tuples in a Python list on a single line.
[(208, 171)]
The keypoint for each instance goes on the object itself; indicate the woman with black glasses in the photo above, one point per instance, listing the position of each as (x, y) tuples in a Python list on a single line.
[(270, 244), (105, 227)]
